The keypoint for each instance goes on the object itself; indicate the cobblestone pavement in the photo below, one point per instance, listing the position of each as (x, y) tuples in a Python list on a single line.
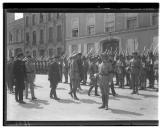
[(125, 106)]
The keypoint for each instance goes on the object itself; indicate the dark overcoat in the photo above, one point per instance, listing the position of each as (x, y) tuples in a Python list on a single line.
[(19, 73), (54, 74)]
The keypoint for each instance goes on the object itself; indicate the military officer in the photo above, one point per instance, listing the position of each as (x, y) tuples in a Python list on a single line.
[(135, 69), (74, 76), (105, 78), (93, 69), (54, 77)]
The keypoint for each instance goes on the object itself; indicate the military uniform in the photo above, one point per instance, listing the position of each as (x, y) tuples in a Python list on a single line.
[(74, 76), (85, 70), (54, 78), (105, 78), (93, 69), (135, 69), (30, 70)]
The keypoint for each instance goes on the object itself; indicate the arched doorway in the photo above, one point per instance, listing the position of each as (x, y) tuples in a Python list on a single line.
[(109, 44)]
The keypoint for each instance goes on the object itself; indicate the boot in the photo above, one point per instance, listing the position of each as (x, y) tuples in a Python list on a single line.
[(103, 102), (96, 93), (55, 96), (106, 102), (89, 91), (75, 97)]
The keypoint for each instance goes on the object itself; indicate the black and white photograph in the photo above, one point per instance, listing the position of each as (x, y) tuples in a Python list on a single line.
[(81, 65)]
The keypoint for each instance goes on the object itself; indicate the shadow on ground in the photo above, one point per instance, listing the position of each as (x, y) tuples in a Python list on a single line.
[(35, 104), (67, 101), (119, 111), (89, 101), (148, 96), (128, 97)]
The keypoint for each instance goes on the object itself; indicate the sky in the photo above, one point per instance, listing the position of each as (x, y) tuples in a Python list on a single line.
[(18, 16)]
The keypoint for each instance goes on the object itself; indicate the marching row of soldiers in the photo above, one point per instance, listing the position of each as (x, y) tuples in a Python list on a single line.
[(133, 70)]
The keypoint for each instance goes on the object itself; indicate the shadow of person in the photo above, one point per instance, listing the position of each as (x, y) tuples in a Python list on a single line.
[(31, 105), (149, 96), (83, 92), (67, 101), (128, 97), (89, 101), (45, 102), (61, 89), (119, 111)]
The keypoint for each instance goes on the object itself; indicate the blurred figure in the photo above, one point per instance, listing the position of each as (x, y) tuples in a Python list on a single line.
[(10, 79), (74, 76), (19, 72), (85, 69), (54, 77), (30, 70), (65, 69)]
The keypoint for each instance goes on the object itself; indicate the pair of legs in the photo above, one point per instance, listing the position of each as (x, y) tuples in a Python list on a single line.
[(66, 77), (53, 94), (135, 82), (31, 86), (93, 84), (121, 80), (105, 96), (74, 83)]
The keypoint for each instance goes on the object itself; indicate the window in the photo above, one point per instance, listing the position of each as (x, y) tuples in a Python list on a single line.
[(131, 23), (41, 18), (91, 24), (155, 19), (90, 46), (59, 33), (109, 26), (41, 52), (27, 37), (33, 20), (34, 53), (58, 15), (50, 52), (75, 27), (49, 17), (132, 45), (41, 36), (34, 37), (27, 21), (75, 32), (74, 48), (50, 34), (10, 37), (109, 22), (91, 30)]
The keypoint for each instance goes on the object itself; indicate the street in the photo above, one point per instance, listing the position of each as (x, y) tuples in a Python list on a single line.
[(124, 106)]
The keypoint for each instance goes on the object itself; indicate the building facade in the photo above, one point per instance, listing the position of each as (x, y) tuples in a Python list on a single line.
[(43, 34), (15, 35), (116, 31)]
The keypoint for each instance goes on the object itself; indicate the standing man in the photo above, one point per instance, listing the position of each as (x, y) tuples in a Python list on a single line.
[(10, 80), (54, 77), (74, 76), (19, 73), (135, 70), (93, 70), (30, 70), (105, 78)]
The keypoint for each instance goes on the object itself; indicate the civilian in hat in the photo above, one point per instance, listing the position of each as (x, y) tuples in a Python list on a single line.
[(54, 77), (30, 70), (19, 72), (74, 76)]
